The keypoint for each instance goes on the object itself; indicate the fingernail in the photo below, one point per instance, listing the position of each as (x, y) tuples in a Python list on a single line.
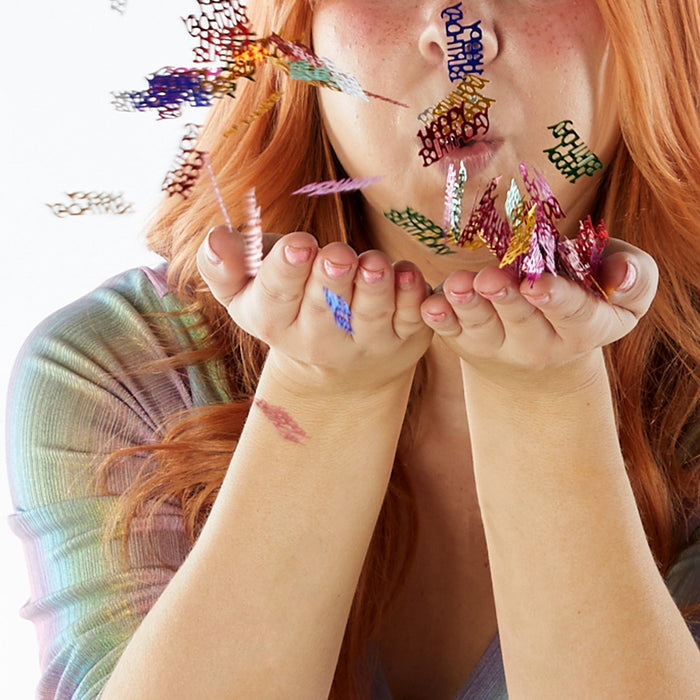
[(405, 279), (297, 254), (436, 317), (461, 297), (494, 296), (371, 276), (334, 270), (211, 256), (537, 299), (629, 279)]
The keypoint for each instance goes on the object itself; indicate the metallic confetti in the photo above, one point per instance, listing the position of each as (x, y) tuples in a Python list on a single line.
[(454, 191), (421, 228), (284, 424), (91, 203), (464, 55), (485, 225), (314, 189), (341, 311), (571, 156), (264, 107), (252, 235), (450, 131), (188, 164), (118, 6), (222, 29), (466, 95)]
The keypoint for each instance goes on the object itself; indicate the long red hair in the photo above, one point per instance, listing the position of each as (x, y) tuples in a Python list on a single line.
[(650, 197)]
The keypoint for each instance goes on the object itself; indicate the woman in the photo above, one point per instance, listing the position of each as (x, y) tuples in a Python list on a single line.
[(477, 423)]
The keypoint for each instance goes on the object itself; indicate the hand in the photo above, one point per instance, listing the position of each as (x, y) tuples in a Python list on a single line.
[(499, 325), (285, 307)]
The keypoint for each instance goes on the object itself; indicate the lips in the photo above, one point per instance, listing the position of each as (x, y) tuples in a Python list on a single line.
[(476, 155)]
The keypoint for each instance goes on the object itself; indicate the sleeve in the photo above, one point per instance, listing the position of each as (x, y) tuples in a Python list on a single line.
[(80, 390)]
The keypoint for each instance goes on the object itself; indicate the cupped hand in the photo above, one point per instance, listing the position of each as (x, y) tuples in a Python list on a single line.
[(499, 325), (285, 306)]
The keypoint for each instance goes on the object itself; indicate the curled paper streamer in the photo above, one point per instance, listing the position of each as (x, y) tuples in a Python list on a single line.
[(91, 203), (341, 311), (252, 235), (284, 424), (421, 228), (464, 55), (314, 189), (571, 156)]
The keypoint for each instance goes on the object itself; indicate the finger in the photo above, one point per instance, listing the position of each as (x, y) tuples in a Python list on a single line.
[(221, 263), (271, 302), (410, 292), (373, 302)]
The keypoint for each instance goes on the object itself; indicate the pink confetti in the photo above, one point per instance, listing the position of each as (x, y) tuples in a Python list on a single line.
[(285, 425), (314, 189), (252, 235), (217, 191)]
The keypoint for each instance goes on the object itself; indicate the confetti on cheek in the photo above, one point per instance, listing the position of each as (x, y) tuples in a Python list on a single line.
[(91, 203), (571, 156), (252, 235), (454, 191), (341, 311), (315, 189), (464, 55), (421, 228), (284, 424)]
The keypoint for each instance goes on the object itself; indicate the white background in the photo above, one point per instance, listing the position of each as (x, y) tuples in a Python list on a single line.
[(61, 134)]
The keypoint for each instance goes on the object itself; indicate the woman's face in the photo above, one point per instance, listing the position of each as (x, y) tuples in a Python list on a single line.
[(546, 61)]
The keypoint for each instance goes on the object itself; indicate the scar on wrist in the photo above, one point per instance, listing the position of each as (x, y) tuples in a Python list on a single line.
[(284, 424)]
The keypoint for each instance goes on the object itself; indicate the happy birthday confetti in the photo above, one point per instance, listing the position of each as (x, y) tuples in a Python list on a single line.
[(341, 311), (217, 191), (314, 189), (421, 228), (571, 156), (454, 191), (222, 28), (485, 225), (118, 6), (464, 55), (188, 164), (252, 235), (264, 107), (284, 424), (467, 95), (450, 131), (91, 203)]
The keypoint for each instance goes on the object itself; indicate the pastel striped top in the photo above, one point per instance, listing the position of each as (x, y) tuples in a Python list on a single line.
[(74, 399)]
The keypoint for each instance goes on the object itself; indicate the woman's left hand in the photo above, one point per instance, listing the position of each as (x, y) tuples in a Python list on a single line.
[(501, 326)]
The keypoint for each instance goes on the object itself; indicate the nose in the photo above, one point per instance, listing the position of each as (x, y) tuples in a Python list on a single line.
[(465, 44)]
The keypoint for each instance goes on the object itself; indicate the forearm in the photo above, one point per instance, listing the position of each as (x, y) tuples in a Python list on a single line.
[(259, 607), (580, 602)]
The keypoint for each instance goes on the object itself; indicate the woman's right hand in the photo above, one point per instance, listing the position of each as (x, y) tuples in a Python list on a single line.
[(285, 307)]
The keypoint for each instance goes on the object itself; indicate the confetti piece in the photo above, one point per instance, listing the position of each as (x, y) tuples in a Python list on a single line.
[(187, 166), (485, 225), (262, 108), (217, 191), (571, 156), (466, 95), (223, 28), (341, 311), (421, 228), (454, 191), (118, 6), (314, 189), (284, 424), (450, 131), (91, 203), (252, 235), (464, 55)]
